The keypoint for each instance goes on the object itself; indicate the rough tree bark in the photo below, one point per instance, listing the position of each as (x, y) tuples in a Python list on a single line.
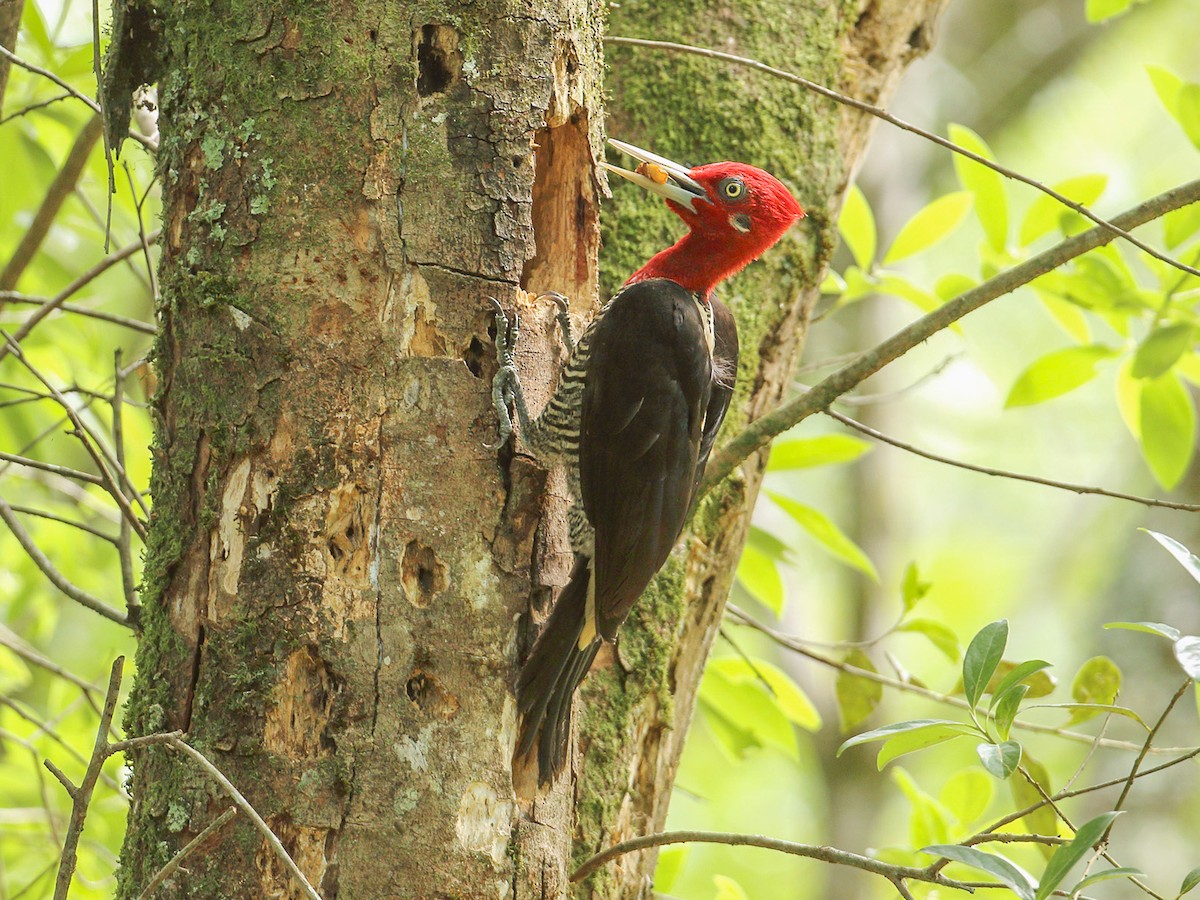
[(338, 567)]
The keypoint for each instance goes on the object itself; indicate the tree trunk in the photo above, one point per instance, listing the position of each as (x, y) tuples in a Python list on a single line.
[(337, 564)]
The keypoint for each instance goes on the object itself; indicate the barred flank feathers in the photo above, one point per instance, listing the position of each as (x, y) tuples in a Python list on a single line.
[(546, 685)]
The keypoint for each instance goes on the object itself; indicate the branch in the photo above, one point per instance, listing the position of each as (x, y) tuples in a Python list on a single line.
[(1146, 745), (760, 432), (908, 687), (1002, 473), (169, 869), (46, 73), (1117, 229), (123, 321), (892, 873), (82, 795), (60, 189), (95, 604), (82, 281), (64, 471)]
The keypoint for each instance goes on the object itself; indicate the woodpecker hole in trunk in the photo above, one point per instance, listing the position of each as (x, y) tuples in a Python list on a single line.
[(565, 218), (439, 61), (422, 574)]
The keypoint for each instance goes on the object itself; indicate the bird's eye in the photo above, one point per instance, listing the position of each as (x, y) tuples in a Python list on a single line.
[(732, 188)]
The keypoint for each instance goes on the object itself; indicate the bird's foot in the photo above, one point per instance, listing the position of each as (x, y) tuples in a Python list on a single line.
[(563, 316), (506, 384)]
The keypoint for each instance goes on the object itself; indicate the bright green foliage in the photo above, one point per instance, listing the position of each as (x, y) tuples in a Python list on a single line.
[(1181, 99), (1057, 373), (1047, 214), (929, 226), (1069, 854), (1009, 873), (857, 696), (987, 186), (823, 450), (1098, 681), (1190, 881), (826, 533), (856, 224)]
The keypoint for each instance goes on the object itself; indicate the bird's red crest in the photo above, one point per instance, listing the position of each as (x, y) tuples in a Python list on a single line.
[(747, 212)]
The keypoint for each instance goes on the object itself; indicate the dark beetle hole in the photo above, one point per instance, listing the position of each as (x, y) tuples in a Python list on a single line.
[(439, 61), (422, 574), (473, 356)]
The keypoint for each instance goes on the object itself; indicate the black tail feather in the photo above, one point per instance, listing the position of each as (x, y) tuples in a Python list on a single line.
[(546, 685)]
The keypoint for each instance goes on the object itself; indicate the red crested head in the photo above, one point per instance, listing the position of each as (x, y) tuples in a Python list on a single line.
[(734, 213)]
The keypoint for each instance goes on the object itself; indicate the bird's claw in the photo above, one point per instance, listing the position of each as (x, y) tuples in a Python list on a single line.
[(506, 382), (563, 316)]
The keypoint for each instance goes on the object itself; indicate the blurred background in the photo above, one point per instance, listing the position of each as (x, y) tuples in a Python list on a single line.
[(1055, 97)]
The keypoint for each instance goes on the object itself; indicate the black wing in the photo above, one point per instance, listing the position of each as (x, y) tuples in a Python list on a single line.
[(725, 363), (648, 386)]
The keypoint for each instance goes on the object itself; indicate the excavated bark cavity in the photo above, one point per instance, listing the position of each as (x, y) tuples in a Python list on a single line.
[(439, 61), (422, 574), (430, 695), (295, 724), (565, 224), (347, 533)]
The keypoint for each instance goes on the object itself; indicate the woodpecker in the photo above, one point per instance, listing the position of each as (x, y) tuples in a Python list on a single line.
[(634, 418)]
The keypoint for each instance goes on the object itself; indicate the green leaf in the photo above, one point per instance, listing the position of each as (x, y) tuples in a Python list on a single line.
[(856, 224), (987, 185), (1081, 711), (900, 287), (1186, 557), (1187, 653), (1042, 820), (993, 863), (1006, 709), (953, 285), (1001, 759), (912, 588), (670, 862), (1180, 224), (1068, 854), (1098, 681), (1106, 875), (728, 889), (1158, 628), (826, 533), (789, 697), (929, 226), (941, 636), (1015, 676), (1102, 10), (967, 794), (857, 697), (744, 713), (759, 575), (880, 734), (1167, 424), (930, 821), (919, 739), (982, 657), (1187, 112), (833, 283), (1057, 373), (1167, 85), (1190, 880), (1046, 213), (1070, 317), (826, 449), (1161, 349)]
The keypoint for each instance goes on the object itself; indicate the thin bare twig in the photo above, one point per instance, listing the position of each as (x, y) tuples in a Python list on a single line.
[(78, 284), (13, 641), (46, 73), (1116, 229), (64, 471), (108, 159), (762, 431), (82, 526), (1183, 688), (824, 854), (34, 107), (124, 541), (86, 311), (81, 796), (173, 863), (47, 729), (1003, 473), (105, 462), (138, 203), (95, 604)]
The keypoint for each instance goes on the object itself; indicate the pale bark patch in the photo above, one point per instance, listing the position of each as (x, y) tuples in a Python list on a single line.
[(484, 821), (297, 719)]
